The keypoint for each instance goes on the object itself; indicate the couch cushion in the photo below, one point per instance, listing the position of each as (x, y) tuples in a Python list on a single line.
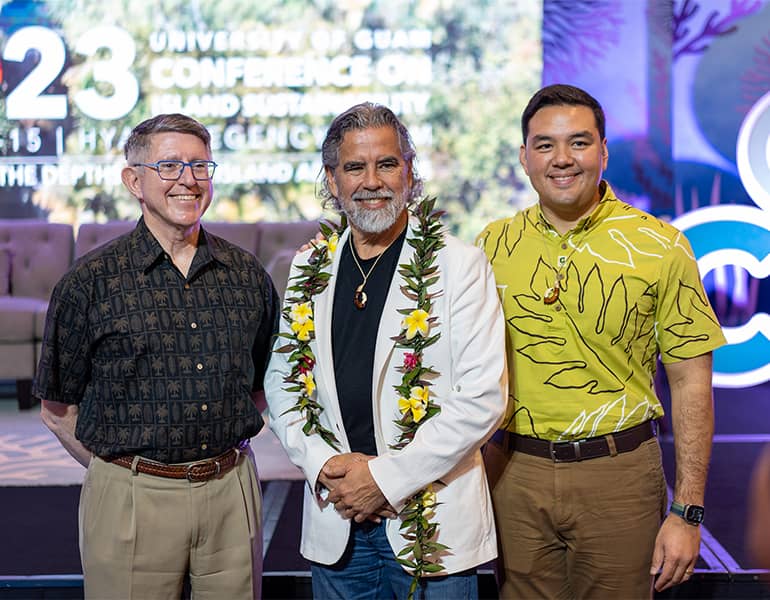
[(279, 267), (17, 360), (5, 269), (18, 316), (93, 235), (276, 237), (40, 314), (42, 253), (245, 235)]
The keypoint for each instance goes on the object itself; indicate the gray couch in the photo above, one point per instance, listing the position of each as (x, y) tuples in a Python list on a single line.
[(35, 254), (33, 257)]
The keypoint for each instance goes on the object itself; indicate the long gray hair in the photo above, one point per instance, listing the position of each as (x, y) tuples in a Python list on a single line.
[(364, 116)]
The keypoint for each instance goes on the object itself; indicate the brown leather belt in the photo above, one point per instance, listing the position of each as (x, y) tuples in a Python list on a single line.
[(585, 449), (201, 470)]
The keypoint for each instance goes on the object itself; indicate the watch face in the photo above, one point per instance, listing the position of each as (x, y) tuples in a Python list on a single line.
[(693, 513)]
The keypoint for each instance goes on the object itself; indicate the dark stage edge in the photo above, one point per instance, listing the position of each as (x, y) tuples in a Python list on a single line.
[(285, 586), (39, 556)]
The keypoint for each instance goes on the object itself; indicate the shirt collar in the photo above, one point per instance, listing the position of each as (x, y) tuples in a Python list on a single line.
[(599, 213), (148, 252), (212, 247)]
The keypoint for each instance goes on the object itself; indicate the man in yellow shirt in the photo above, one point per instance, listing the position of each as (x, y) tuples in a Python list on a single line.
[(593, 292)]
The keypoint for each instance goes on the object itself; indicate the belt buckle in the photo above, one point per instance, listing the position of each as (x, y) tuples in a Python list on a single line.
[(192, 477), (575, 446)]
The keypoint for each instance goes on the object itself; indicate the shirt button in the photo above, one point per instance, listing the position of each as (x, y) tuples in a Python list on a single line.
[(193, 325), (204, 407), (199, 366), (187, 286), (204, 446), (558, 308), (564, 246)]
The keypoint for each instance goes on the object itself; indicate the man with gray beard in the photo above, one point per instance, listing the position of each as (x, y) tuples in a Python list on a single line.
[(388, 376)]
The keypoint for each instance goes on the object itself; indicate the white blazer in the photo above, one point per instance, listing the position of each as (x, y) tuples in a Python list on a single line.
[(471, 391)]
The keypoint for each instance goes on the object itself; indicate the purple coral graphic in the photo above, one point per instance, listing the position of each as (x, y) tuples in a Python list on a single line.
[(576, 34), (755, 82), (687, 39)]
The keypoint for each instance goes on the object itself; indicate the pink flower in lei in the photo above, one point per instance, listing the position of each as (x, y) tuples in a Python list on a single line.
[(410, 360)]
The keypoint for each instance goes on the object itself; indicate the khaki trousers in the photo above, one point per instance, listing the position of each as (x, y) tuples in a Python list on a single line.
[(140, 535), (577, 530)]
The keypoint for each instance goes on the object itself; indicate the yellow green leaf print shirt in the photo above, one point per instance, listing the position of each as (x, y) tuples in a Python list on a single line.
[(628, 289)]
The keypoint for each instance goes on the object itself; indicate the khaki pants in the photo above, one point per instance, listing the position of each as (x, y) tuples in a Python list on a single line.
[(141, 535), (577, 530)]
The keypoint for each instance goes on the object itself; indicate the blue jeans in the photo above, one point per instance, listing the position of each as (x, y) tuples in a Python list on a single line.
[(368, 571)]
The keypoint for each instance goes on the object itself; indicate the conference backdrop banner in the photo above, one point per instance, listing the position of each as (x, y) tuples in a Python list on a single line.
[(266, 78)]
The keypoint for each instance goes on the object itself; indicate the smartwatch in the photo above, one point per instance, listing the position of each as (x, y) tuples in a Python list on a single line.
[(691, 513)]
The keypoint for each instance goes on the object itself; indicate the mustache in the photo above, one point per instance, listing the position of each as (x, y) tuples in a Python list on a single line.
[(367, 195)]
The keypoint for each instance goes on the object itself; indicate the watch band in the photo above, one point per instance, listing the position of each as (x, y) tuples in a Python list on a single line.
[(691, 513)]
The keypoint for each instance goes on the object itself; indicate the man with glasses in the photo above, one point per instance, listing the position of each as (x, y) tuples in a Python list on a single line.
[(155, 345)]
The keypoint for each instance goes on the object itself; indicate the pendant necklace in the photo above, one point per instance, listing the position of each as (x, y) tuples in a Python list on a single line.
[(359, 296)]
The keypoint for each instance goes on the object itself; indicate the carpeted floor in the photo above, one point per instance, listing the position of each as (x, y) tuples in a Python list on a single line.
[(31, 455)]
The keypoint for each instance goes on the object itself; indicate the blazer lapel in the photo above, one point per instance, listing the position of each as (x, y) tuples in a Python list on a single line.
[(323, 338), (390, 322)]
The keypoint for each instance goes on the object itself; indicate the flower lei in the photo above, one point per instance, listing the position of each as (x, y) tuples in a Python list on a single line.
[(415, 401), (311, 280)]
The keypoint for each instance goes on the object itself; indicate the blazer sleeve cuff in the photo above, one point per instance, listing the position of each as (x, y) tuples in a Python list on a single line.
[(391, 481)]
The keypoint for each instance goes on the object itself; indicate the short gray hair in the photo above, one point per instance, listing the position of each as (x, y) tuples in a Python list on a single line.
[(139, 141), (365, 116)]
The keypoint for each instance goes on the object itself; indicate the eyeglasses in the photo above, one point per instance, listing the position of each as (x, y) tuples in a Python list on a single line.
[(171, 170)]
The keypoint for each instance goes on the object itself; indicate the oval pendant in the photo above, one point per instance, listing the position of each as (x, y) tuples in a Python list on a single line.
[(359, 298), (551, 295)]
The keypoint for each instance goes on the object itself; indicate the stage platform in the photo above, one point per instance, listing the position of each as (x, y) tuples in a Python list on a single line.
[(40, 486)]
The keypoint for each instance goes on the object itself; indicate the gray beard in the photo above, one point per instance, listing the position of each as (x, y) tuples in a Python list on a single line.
[(375, 220)]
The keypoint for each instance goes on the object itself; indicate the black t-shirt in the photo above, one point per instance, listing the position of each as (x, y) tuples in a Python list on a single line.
[(354, 337)]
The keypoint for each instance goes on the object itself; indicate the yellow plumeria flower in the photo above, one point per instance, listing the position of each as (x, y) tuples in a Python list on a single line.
[(331, 243), (428, 502), (302, 330), (404, 404), (416, 322), (418, 410), (419, 396), (300, 313), (308, 381)]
